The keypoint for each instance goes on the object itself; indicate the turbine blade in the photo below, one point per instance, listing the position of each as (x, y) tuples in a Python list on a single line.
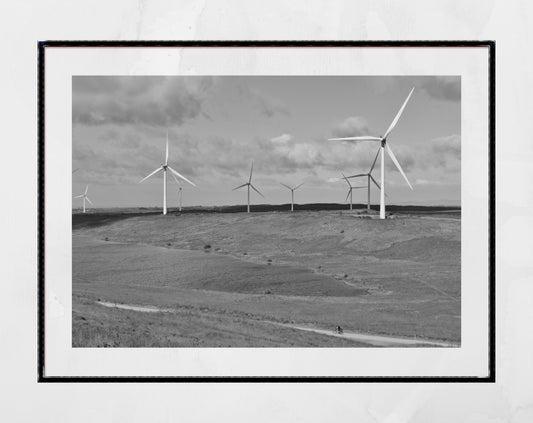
[(240, 186), (395, 121), (90, 202), (363, 138), (346, 179), (256, 190), (179, 175), (299, 186), (251, 170), (347, 195), (373, 180), (286, 186), (176, 179), (79, 196), (166, 154), (375, 160), (75, 170), (151, 174), (86, 189), (357, 176), (393, 157)]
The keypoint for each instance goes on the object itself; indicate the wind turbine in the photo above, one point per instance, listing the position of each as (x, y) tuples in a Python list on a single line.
[(292, 193), (249, 185), (84, 196), (164, 168), (384, 145), (350, 191), (180, 190), (369, 178)]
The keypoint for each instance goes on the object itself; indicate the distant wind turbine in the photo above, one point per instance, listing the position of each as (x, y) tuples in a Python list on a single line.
[(249, 185), (180, 190), (384, 145), (164, 168), (292, 193), (350, 191), (84, 196), (369, 178)]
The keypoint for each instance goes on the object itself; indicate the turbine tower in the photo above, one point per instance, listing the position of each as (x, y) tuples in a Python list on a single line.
[(369, 178), (180, 191), (350, 191), (249, 185), (164, 168), (384, 145), (292, 193), (84, 196)]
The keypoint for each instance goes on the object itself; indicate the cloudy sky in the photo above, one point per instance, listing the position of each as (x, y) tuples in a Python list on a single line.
[(217, 125)]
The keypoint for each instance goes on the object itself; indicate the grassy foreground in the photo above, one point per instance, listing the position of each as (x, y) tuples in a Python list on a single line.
[(229, 278)]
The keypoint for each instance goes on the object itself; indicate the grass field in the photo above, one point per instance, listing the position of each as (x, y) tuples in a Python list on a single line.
[(250, 280)]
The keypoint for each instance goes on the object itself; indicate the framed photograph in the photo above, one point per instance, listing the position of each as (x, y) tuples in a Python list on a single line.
[(266, 211)]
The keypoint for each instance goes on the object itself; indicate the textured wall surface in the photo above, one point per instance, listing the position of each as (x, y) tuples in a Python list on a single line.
[(510, 399)]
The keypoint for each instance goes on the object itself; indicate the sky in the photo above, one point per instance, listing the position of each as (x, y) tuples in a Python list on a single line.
[(218, 124)]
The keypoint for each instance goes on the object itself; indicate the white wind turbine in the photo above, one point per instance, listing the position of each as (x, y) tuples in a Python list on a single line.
[(249, 185), (350, 191), (384, 145), (84, 196), (292, 193), (180, 191), (164, 168), (369, 178)]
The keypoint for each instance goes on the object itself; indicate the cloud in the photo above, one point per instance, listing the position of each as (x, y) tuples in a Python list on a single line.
[(442, 87), (269, 107), (282, 139), (426, 182), (445, 152), (264, 104), (156, 101), (351, 127), (450, 145)]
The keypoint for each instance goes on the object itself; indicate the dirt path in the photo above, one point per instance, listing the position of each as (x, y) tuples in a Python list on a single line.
[(374, 340)]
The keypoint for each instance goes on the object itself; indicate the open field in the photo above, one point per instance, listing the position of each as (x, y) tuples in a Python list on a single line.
[(264, 279)]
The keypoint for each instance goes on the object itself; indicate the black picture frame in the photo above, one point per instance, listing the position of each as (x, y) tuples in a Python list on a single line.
[(42, 378)]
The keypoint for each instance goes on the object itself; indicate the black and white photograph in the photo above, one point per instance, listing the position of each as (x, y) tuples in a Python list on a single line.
[(266, 211)]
